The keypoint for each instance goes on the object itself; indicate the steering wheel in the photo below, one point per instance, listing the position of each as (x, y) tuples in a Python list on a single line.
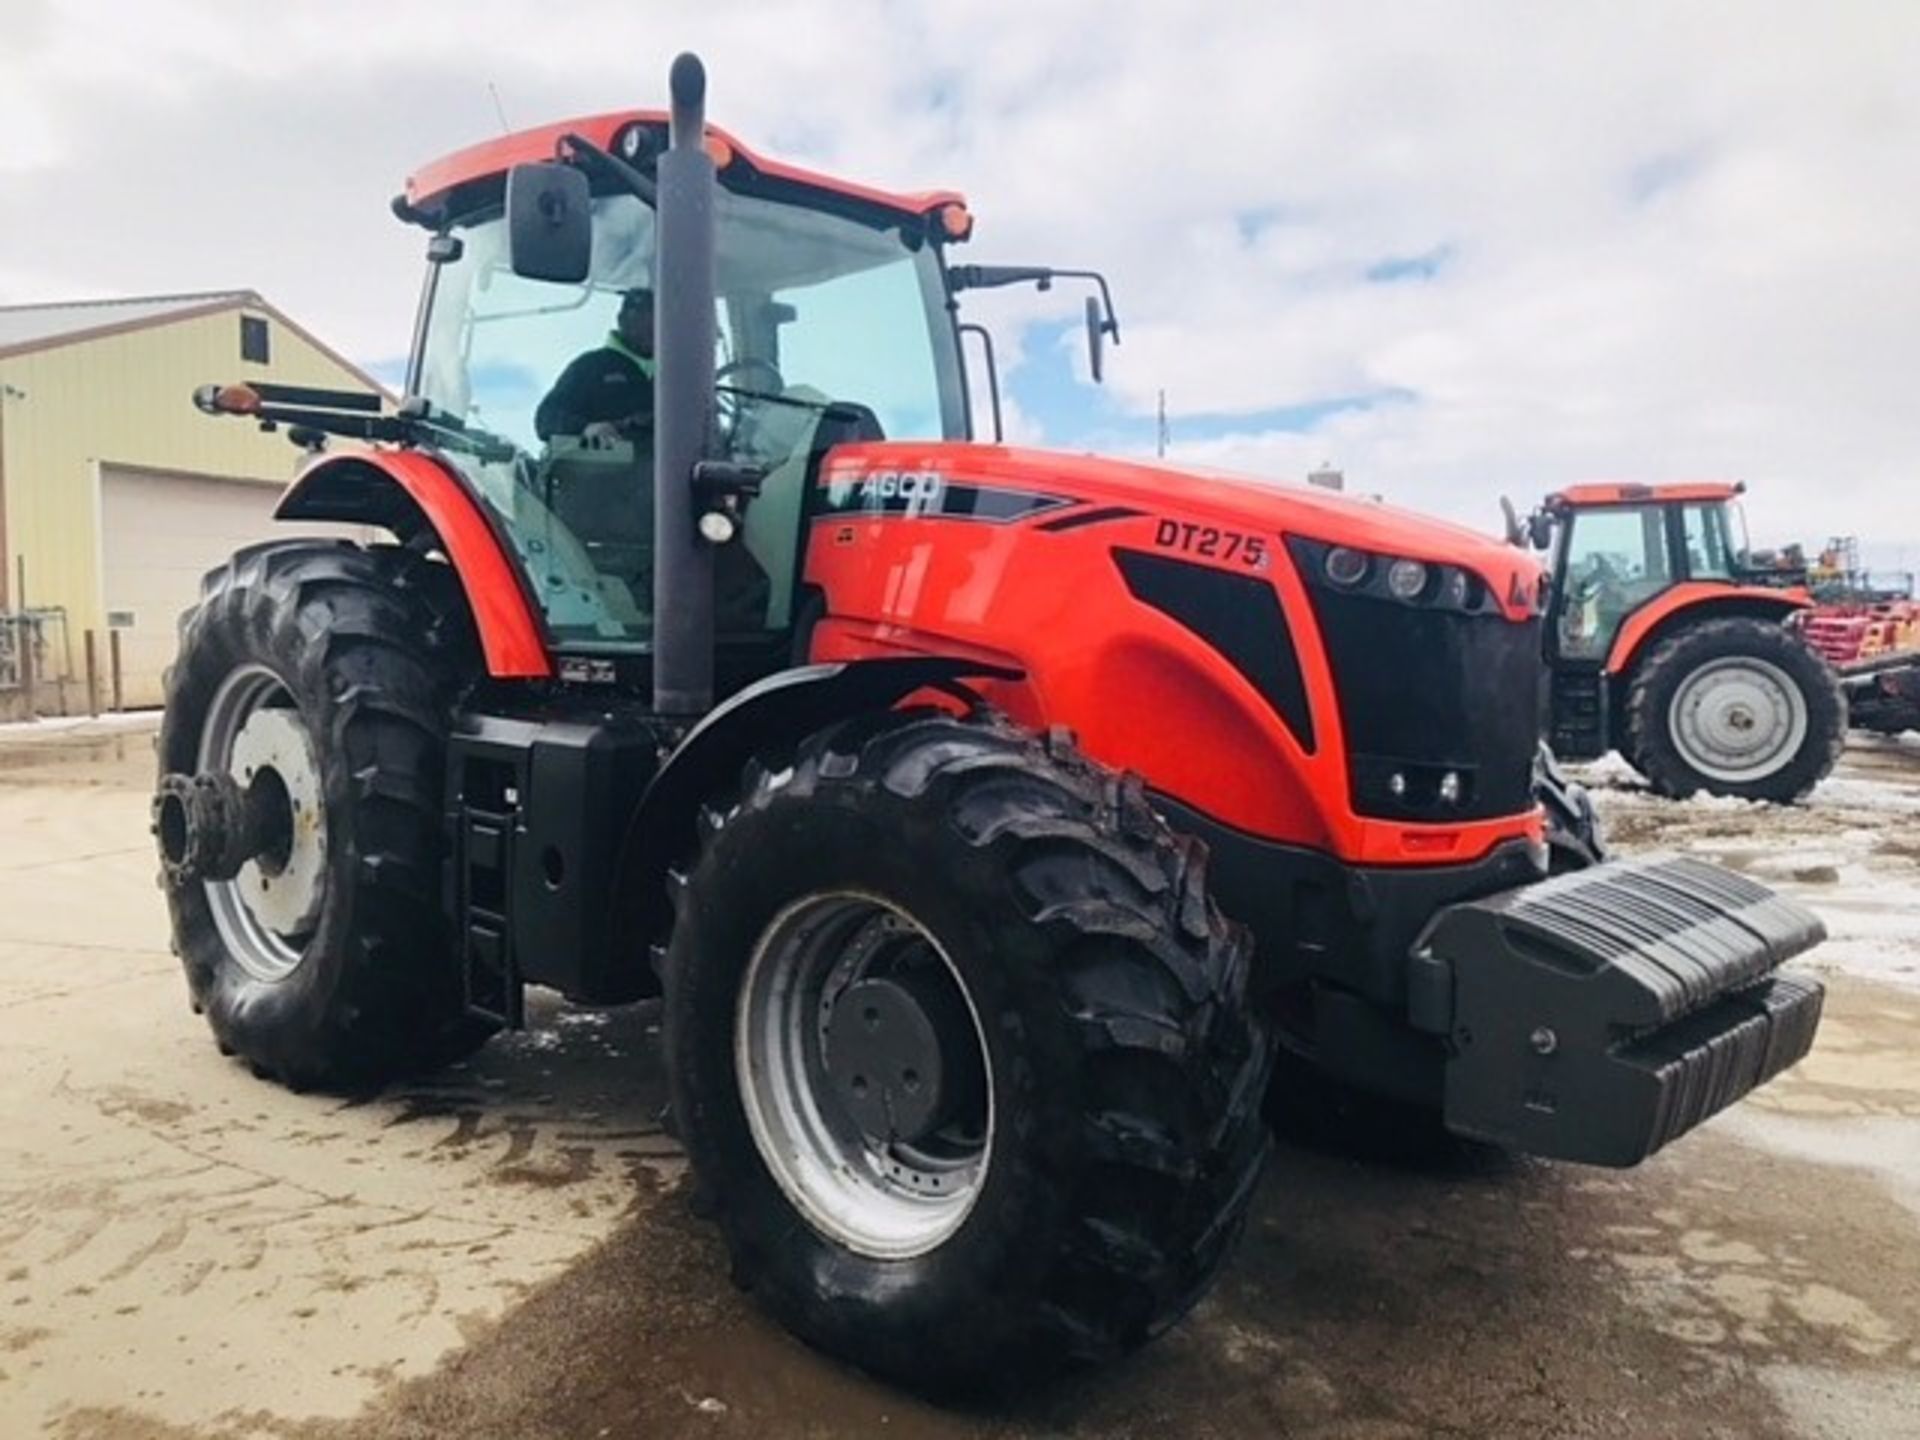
[(731, 407)]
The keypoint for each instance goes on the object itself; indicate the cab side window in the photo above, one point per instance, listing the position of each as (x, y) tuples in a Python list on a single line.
[(1709, 556)]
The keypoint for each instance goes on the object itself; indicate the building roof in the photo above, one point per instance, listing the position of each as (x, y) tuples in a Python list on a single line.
[(33, 327), (26, 328)]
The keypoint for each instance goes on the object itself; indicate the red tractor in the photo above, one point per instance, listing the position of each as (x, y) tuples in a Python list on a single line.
[(981, 815), (1666, 646)]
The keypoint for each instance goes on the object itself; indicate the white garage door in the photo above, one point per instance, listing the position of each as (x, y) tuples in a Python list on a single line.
[(160, 531)]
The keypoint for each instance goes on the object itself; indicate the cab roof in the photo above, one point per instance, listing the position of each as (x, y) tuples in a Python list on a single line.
[(1627, 493), (433, 186)]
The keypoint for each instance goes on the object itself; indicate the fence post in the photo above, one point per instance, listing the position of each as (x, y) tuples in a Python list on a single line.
[(113, 666), (27, 676), (93, 675)]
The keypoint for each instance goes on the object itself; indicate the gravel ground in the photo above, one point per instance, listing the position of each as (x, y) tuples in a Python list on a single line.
[(502, 1250)]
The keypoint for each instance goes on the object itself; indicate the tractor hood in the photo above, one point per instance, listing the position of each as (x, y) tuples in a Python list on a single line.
[(1053, 478)]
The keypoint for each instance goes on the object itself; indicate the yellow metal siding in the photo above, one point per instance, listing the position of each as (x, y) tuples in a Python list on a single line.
[(127, 399)]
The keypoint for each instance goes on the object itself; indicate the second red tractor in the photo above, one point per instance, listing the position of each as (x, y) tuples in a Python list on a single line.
[(1665, 645)]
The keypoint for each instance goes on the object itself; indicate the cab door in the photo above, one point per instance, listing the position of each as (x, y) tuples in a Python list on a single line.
[(1613, 559)]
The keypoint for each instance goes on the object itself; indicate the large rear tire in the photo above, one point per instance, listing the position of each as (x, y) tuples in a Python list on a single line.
[(1080, 1007), (1739, 707), (331, 669)]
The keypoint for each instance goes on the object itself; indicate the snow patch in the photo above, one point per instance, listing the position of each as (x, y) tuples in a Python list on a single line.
[(1852, 794)]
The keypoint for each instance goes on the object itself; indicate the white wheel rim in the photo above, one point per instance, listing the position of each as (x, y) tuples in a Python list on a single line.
[(265, 914), (1738, 719), (886, 1201)]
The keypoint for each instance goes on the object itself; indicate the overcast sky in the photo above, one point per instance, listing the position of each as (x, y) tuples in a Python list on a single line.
[(1455, 249)]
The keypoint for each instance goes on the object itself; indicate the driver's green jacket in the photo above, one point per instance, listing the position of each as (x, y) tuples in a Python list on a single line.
[(613, 383)]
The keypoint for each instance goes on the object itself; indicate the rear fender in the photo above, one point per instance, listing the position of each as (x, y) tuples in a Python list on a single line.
[(406, 490), (1686, 603)]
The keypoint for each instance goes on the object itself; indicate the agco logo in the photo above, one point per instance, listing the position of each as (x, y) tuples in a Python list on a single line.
[(898, 491)]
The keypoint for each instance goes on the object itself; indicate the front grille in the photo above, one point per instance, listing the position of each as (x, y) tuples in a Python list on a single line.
[(1424, 691)]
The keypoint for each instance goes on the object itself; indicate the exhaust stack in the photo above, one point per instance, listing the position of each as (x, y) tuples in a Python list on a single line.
[(683, 595)]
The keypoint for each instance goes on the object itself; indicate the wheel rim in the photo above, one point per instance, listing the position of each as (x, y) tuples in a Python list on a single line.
[(1738, 719), (863, 1070), (266, 913)]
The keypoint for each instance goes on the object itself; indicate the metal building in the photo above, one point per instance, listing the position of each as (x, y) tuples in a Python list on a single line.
[(115, 493)]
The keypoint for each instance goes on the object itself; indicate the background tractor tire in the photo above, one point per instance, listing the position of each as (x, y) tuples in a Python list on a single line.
[(1738, 707), (358, 651), (1109, 997)]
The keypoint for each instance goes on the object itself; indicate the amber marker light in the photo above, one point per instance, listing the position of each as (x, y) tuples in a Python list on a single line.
[(956, 221)]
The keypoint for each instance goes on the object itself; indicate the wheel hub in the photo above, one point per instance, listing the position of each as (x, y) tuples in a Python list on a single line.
[(281, 883), (884, 1052), (1739, 718), (260, 851), (862, 1070)]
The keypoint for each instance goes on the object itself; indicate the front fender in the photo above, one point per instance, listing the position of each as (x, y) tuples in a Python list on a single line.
[(784, 707), (401, 490)]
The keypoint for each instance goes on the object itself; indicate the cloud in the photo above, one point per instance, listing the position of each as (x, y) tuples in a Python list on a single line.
[(1645, 240)]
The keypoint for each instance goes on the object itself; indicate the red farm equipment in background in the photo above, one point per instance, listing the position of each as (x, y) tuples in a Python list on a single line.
[(1867, 625)]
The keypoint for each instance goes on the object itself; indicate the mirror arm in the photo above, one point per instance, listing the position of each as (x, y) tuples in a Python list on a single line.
[(1111, 324), (987, 277)]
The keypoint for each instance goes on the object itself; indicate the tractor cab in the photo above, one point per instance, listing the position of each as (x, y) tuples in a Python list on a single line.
[(833, 321), (1617, 549), (830, 324)]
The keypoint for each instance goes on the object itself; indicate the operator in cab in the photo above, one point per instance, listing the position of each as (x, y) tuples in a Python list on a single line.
[(607, 393)]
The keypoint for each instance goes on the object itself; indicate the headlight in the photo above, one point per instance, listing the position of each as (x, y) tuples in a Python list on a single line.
[(1401, 578), (1406, 579), (1346, 567)]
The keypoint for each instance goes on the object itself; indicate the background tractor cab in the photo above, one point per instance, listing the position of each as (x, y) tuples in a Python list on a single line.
[(1666, 644)]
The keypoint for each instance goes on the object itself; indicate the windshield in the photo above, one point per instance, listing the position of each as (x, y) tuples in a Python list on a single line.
[(549, 387)]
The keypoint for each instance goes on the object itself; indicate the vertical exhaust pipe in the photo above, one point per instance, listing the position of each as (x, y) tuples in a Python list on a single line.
[(683, 599)]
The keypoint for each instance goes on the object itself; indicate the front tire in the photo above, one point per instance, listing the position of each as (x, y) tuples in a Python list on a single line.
[(1094, 1160), (1739, 707), (332, 668)]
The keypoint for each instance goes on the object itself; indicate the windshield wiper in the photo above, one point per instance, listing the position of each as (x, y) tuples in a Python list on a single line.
[(591, 158)]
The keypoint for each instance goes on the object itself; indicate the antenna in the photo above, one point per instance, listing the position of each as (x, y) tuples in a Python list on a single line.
[(1161, 431), (498, 108)]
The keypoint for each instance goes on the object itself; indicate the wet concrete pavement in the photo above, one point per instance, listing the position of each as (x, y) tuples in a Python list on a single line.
[(503, 1250)]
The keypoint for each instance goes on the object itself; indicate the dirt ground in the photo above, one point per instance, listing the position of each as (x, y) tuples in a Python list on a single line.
[(503, 1251)]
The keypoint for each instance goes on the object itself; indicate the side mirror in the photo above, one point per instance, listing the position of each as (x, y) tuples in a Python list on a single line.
[(549, 222), (1540, 529), (1096, 339)]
